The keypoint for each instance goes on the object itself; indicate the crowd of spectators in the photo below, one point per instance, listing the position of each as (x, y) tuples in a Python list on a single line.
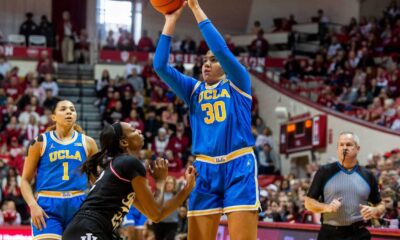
[(357, 70), (25, 104)]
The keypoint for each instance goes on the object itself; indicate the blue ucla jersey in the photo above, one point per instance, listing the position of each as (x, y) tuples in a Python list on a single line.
[(220, 116), (58, 168)]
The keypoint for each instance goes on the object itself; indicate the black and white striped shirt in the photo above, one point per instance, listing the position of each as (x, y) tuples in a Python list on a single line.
[(355, 187)]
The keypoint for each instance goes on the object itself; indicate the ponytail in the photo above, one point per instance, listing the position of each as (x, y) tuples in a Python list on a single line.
[(90, 166), (109, 141)]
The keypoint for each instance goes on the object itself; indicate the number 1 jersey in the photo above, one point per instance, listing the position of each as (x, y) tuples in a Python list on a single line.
[(60, 162)]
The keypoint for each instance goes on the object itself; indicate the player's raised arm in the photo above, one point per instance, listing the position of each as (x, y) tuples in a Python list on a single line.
[(181, 84), (235, 71)]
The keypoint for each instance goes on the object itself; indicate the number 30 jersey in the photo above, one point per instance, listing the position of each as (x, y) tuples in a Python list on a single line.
[(60, 162), (220, 117)]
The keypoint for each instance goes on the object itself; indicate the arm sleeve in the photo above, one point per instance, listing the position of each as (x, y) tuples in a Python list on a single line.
[(129, 167), (235, 71), (181, 84), (374, 195), (316, 188)]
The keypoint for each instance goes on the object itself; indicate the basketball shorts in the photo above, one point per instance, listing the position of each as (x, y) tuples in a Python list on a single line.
[(225, 184), (134, 218), (89, 225), (61, 208)]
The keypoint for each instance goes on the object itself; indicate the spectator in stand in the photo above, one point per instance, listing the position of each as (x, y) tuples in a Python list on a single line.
[(169, 115), (17, 152), (132, 64), (50, 84), (125, 41), (166, 229), (179, 66), (323, 21), (176, 45), (65, 38), (269, 161), (4, 68), (256, 28), (110, 41), (174, 162), (160, 142), (46, 29), (151, 125), (158, 98), (45, 65), (181, 232), (203, 48), (82, 48), (229, 43), (102, 85), (396, 122), (265, 137), (31, 130), (292, 69), (179, 142), (9, 214), (135, 121), (259, 47), (28, 27), (334, 47), (24, 117), (188, 45), (272, 213), (135, 80), (145, 43), (13, 89), (196, 70)]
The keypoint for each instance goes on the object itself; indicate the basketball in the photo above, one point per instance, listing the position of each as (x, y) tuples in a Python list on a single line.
[(166, 6)]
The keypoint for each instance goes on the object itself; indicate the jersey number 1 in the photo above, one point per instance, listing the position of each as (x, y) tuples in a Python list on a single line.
[(214, 112), (65, 176)]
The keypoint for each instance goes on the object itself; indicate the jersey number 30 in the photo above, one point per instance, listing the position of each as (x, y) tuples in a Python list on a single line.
[(215, 112)]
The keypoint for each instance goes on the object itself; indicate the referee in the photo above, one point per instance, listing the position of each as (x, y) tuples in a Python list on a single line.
[(345, 193)]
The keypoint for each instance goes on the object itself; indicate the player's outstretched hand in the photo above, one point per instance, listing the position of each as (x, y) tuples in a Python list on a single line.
[(193, 4), (174, 16), (190, 176), (160, 169), (38, 215)]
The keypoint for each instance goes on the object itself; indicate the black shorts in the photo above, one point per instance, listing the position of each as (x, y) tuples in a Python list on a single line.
[(88, 226)]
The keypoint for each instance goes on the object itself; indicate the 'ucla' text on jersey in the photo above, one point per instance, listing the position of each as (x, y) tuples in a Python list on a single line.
[(220, 118), (58, 168)]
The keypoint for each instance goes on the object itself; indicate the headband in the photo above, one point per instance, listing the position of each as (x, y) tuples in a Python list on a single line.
[(117, 129)]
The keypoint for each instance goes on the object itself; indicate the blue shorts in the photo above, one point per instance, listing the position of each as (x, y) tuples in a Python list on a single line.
[(61, 208), (134, 218), (225, 184)]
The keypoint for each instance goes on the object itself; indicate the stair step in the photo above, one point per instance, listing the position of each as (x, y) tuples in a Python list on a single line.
[(84, 100), (93, 125), (94, 134), (86, 108), (86, 83), (73, 75), (76, 92), (92, 116)]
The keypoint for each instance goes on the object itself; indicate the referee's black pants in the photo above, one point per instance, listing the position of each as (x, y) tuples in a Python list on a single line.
[(328, 232)]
